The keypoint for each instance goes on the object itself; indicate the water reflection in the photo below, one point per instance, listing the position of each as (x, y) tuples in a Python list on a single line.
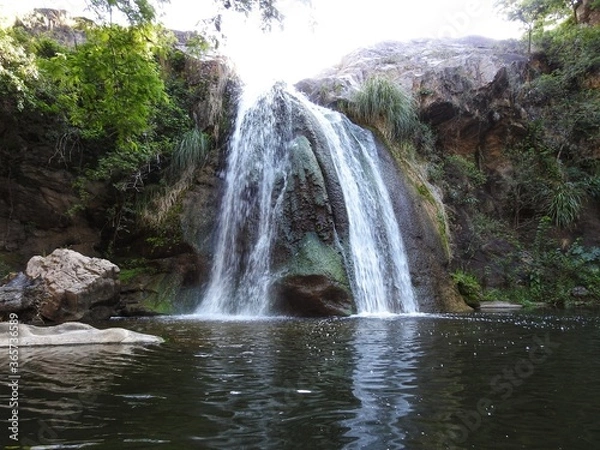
[(58, 384), (399, 383), (273, 384), (386, 356)]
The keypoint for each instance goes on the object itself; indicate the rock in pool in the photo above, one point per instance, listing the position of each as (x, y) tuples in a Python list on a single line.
[(71, 333)]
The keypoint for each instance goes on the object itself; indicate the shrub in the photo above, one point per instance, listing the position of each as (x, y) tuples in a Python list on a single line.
[(469, 287), (383, 104), (565, 202), (191, 152)]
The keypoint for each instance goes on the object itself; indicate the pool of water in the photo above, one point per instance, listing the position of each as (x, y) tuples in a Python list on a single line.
[(476, 381)]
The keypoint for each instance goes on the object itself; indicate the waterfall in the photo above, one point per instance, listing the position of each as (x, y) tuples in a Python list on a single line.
[(255, 182), (381, 278), (258, 169)]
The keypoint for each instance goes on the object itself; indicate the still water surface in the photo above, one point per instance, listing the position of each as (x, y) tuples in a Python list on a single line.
[(478, 381)]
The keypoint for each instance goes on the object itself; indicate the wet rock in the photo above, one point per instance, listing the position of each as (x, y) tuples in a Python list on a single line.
[(499, 306), (465, 90), (311, 296)]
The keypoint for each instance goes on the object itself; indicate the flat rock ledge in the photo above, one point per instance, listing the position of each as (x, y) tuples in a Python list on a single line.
[(71, 333), (498, 306)]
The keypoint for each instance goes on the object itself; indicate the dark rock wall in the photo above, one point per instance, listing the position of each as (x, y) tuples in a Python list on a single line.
[(426, 250)]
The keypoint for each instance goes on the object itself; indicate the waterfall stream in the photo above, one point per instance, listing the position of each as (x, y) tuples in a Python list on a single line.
[(258, 170)]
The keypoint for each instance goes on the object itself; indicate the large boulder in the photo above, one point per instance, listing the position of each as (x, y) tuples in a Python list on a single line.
[(76, 287)]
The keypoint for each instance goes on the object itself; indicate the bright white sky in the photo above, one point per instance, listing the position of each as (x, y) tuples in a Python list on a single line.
[(340, 26)]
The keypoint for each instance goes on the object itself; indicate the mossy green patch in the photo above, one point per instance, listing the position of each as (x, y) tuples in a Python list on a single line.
[(315, 257), (469, 288), (163, 292)]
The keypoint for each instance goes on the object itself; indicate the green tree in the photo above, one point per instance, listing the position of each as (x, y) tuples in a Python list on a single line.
[(112, 83), (137, 12), (532, 14), (144, 11), (18, 71)]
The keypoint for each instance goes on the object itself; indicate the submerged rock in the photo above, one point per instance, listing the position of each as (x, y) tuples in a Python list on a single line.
[(73, 334), (498, 306)]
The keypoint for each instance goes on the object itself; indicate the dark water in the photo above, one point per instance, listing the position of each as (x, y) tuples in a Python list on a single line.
[(475, 381)]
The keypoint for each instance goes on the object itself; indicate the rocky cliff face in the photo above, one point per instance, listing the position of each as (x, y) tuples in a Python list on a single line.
[(465, 89), (469, 91), (36, 192), (474, 95)]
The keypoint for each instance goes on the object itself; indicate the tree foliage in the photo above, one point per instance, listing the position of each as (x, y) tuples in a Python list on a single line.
[(112, 83), (534, 15), (538, 13), (18, 71), (137, 12)]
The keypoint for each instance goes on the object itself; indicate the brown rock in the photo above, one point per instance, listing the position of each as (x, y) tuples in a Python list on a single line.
[(76, 285)]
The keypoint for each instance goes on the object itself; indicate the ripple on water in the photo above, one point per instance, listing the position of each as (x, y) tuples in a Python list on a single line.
[(393, 382)]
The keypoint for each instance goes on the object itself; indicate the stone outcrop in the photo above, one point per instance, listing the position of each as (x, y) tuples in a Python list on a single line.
[(77, 286), (478, 97), (63, 286), (73, 333), (466, 90), (311, 296), (58, 22), (463, 86)]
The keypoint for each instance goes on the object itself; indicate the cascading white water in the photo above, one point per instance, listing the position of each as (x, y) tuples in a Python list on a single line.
[(255, 183), (257, 172), (380, 273)]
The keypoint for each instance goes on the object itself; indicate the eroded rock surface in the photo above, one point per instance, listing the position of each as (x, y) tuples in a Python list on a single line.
[(63, 286), (462, 86), (73, 334)]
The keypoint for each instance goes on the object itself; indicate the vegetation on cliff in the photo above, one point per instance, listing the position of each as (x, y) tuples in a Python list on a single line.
[(119, 100), (515, 156), (544, 246)]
